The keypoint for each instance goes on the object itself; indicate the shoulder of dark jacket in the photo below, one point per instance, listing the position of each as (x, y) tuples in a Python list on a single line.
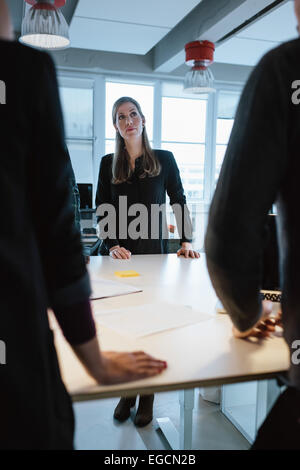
[(21, 53), (281, 55), (106, 160), (164, 156), (292, 46)]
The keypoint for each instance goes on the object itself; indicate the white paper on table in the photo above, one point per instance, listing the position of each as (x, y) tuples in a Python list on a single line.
[(148, 319), (102, 288)]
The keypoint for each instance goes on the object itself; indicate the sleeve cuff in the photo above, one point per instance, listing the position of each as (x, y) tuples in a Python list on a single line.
[(185, 240), (110, 243)]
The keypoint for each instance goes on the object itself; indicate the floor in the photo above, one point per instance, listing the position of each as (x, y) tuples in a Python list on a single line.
[(96, 428)]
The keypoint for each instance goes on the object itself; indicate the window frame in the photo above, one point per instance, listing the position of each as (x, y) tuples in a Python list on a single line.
[(98, 83)]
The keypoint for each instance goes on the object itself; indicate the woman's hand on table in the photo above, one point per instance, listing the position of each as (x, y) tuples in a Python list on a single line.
[(264, 327), (118, 252), (121, 367), (187, 251), (112, 367)]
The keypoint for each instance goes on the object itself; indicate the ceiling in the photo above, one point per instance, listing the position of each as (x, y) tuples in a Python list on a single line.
[(132, 27), (150, 35), (248, 46)]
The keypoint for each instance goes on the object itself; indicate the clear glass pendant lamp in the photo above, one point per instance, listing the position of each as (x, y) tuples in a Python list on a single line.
[(45, 27)]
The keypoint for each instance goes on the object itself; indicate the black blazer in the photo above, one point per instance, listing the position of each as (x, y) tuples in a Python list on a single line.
[(41, 263), (147, 191)]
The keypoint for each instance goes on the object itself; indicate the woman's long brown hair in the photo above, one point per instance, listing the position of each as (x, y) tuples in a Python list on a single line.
[(121, 170)]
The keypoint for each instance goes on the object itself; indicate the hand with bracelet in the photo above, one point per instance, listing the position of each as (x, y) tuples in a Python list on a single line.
[(265, 325), (187, 251), (118, 252)]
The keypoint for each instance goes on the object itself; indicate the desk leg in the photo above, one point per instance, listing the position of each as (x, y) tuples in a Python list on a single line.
[(183, 439), (186, 400)]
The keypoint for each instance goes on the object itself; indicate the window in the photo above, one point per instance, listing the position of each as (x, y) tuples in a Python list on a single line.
[(143, 94), (77, 105), (183, 133), (227, 104)]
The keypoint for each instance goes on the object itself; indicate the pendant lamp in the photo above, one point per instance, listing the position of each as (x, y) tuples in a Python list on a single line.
[(44, 25), (199, 55)]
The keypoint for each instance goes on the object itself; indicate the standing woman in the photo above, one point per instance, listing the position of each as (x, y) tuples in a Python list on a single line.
[(144, 176)]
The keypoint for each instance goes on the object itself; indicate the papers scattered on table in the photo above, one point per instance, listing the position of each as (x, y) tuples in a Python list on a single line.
[(102, 288), (148, 319)]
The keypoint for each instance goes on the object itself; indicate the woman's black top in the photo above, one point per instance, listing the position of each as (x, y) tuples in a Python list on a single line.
[(148, 191)]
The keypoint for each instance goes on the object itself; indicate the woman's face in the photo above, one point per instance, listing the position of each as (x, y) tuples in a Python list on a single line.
[(129, 122), (6, 29)]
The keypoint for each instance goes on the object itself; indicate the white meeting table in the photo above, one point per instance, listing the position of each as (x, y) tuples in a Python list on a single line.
[(200, 355)]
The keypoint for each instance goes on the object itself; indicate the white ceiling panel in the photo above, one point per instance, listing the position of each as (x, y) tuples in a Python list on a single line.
[(248, 47), (113, 36), (242, 51), (279, 25), (165, 13)]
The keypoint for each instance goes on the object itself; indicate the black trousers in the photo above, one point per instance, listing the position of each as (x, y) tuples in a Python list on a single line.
[(35, 409), (281, 428)]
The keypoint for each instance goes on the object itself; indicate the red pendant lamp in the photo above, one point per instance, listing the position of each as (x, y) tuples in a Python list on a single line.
[(44, 25), (199, 55)]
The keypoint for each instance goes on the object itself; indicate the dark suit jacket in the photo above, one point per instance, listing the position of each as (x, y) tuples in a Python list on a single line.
[(148, 191), (41, 263)]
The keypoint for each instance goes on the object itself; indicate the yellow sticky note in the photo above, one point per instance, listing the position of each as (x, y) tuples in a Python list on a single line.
[(126, 273)]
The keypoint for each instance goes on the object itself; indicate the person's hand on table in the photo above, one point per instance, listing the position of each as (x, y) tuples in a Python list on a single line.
[(112, 367), (118, 252), (264, 327), (187, 251), (278, 319), (129, 366)]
